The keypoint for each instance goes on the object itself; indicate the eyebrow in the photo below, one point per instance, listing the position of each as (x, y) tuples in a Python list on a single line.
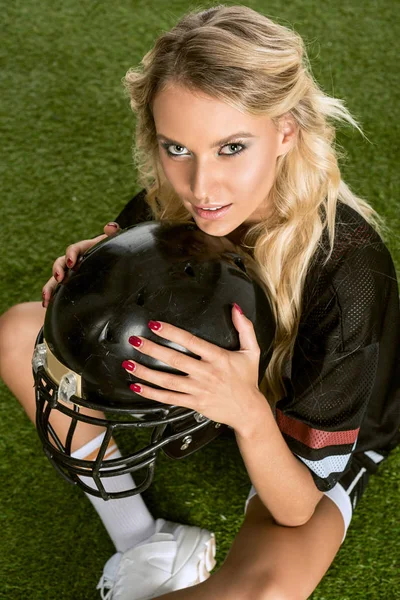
[(242, 134)]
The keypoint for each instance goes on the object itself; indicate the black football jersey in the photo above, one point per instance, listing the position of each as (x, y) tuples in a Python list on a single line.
[(343, 380)]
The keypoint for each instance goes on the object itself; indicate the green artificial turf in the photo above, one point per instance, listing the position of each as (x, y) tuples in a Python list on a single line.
[(66, 171)]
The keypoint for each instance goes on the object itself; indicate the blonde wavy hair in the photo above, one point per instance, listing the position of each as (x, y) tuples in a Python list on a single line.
[(243, 58)]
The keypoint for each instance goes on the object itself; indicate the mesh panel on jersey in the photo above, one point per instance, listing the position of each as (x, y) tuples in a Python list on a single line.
[(325, 467), (312, 437), (363, 299), (320, 326), (332, 393)]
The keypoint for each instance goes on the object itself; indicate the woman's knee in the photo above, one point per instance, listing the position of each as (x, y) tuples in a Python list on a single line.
[(19, 326)]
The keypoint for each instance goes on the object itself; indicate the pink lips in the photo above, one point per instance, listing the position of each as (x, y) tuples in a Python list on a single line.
[(211, 215)]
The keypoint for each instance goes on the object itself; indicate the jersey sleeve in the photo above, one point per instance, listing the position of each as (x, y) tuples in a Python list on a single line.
[(135, 211), (330, 379)]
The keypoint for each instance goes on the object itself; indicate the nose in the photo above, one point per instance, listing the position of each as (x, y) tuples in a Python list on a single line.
[(202, 183)]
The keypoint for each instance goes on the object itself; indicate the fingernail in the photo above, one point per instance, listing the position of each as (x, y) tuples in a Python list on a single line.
[(154, 325), (69, 263), (112, 224), (136, 388), (135, 341), (56, 275), (238, 307), (130, 366)]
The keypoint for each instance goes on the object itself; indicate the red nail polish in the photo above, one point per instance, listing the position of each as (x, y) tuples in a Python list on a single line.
[(154, 325), (135, 341), (56, 275), (238, 308), (130, 366), (69, 262), (136, 388)]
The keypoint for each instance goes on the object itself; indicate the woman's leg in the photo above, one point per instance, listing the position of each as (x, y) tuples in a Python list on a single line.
[(127, 520), (19, 327), (268, 561)]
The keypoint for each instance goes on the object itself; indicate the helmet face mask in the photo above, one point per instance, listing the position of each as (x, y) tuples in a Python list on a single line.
[(169, 271)]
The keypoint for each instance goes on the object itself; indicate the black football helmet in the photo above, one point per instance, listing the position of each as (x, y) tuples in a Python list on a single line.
[(165, 270)]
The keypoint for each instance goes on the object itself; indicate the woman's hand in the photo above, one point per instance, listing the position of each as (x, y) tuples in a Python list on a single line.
[(72, 253), (222, 386)]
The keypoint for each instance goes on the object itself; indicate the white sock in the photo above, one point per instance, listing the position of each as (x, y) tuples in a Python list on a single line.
[(127, 520)]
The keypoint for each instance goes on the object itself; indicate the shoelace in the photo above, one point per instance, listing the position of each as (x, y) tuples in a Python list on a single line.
[(106, 586)]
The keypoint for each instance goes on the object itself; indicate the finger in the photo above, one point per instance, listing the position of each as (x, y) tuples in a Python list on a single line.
[(177, 360), (47, 291), (162, 396), (111, 228), (245, 328), (175, 383), (58, 269), (207, 351), (74, 251)]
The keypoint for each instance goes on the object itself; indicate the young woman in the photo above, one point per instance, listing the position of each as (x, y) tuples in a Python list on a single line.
[(229, 115)]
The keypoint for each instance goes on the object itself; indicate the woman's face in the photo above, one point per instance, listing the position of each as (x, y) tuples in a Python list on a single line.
[(203, 171)]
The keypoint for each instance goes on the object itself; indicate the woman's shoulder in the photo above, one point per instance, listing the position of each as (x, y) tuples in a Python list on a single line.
[(360, 271), (135, 211), (353, 231), (356, 242)]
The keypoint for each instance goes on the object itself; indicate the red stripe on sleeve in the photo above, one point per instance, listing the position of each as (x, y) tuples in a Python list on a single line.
[(313, 438)]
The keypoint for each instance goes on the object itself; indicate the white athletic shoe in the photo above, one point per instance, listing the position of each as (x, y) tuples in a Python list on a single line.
[(175, 557)]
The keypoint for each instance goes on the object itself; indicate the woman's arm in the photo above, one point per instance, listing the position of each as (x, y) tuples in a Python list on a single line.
[(135, 211), (283, 483), (337, 385)]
